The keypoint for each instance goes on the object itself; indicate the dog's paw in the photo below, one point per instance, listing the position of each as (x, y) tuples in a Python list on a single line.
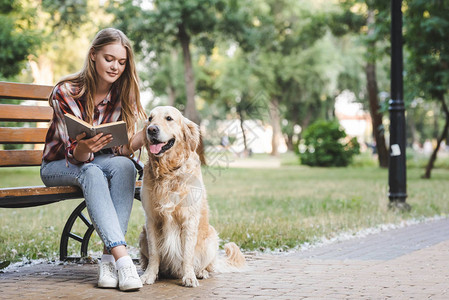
[(148, 278), (190, 281), (203, 274)]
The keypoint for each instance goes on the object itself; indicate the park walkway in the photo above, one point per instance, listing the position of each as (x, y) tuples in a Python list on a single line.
[(407, 263)]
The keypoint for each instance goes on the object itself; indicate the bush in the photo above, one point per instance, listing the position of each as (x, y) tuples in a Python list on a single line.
[(325, 144)]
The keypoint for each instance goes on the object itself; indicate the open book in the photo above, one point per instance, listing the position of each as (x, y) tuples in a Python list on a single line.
[(76, 126)]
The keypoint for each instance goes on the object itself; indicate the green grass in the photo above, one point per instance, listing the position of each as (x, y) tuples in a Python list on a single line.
[(256, 208), (286, 207)]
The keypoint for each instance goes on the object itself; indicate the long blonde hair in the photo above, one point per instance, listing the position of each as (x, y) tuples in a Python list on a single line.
[(128, 83)]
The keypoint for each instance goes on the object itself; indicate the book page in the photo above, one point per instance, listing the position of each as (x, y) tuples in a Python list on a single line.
[(118, 130), (76, 126)]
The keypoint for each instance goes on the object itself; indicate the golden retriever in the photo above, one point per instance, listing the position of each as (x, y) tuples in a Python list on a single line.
[(177, 239)]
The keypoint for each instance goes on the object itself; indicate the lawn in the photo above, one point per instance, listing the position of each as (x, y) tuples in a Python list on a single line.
[(258, 208)]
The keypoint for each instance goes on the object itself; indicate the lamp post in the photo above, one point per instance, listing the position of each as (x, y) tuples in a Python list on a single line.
[(397, 166)]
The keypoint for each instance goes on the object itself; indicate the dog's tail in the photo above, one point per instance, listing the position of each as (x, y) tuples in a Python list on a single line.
[(233, 262), (143, 245), (234, 256)]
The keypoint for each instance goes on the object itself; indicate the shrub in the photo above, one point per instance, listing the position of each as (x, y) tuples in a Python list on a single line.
[(325, 144)]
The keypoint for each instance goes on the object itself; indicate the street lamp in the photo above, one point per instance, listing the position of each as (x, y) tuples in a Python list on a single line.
[(397, 165)]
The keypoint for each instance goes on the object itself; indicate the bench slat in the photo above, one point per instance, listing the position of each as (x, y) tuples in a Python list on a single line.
[(37, 195), (24, 113), (20, 135), (37, 190), (15, 158), (41, 195), (10, 90)]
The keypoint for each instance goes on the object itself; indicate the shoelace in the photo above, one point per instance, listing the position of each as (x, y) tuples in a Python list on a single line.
[(127, 272), (108, 268)]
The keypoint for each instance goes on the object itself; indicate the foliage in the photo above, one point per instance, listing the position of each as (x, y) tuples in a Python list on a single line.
[(164, 76), (294, 64), (368, 20), (66, 14), (352, 18), (304, 52), (427, 41), (16, 40), (325, 145), (350, 25), (160, 31)]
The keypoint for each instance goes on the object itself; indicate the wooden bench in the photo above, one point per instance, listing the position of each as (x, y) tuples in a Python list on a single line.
[(31, 135)]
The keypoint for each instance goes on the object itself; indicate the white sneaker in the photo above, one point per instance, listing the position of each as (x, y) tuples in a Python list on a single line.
[(107, 275), (128, 278)]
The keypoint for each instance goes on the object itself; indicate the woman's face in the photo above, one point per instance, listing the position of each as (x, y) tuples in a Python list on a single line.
[(110, 62)]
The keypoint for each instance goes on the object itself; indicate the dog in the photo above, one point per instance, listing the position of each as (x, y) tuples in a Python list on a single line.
[(177, 239)]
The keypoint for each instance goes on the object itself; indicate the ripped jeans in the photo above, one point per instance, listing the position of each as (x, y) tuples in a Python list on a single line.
[(108, 186)]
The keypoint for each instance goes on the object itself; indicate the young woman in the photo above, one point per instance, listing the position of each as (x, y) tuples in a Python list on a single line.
[(105, 90)]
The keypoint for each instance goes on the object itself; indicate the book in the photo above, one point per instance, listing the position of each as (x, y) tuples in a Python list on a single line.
[(76, 126)]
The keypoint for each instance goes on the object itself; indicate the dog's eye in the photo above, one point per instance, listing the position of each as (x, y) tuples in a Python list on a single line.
[(169, 118), (150, 119)]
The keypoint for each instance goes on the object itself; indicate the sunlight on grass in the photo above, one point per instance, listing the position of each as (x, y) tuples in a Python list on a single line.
[(259, 209)]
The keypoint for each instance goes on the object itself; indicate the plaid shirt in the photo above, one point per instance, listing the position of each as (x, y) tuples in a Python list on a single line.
[(58, 145)]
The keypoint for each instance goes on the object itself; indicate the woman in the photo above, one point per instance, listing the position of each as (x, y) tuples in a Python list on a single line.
[(105, 90)]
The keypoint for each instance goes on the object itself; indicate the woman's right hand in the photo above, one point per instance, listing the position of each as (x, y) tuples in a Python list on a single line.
[(85, 147)]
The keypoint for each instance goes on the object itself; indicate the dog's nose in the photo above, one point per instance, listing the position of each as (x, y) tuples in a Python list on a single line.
[(153, 130)]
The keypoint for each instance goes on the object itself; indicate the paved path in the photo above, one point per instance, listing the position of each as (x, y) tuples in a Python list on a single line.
[(406, 263)]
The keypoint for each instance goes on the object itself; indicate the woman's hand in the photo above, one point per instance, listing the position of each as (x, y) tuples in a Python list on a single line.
[(137, 142), (87, 146)]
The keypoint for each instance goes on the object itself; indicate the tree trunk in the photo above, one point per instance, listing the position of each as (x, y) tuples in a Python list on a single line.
[(442, 137), (190, 111), (245, 144), (171, 92), (294, 119), (41, 69), (305, 123), (376, 116), (289, 142), (371, 81), (410, 121), (42, 72), (276, 124)]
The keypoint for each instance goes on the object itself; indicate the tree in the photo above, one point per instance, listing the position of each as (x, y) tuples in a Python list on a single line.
[(165, 77), (63, 24), (311, 92), (16, 40), (43, 34), (283, 60), (238, 88), (368, 18), (427, 40), (170, 24)]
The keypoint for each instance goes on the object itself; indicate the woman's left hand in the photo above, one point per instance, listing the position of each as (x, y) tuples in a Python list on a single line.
[(137, 142)]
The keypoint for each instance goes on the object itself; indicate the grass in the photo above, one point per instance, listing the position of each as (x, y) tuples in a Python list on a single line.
[(269, 209), (258, 209)]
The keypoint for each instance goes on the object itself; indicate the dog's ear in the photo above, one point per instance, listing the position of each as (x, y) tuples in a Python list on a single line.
[(191, 134)]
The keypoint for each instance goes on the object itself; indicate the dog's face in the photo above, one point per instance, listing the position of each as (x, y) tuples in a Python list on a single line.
[(168, 130)]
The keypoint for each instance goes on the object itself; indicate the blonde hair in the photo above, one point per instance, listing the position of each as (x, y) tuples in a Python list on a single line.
[(128, 83)]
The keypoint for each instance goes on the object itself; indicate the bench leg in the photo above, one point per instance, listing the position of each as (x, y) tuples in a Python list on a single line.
[(67, 234)]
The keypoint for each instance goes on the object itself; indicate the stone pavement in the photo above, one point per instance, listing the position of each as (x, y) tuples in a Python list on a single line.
[(406, 263)]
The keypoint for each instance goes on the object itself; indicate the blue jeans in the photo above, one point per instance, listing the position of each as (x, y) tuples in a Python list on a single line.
[(108, 186)]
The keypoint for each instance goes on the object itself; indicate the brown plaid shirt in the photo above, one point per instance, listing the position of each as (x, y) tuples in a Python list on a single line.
[(58, 145)]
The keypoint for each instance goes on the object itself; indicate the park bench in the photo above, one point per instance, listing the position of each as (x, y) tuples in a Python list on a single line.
[(29, 134)]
